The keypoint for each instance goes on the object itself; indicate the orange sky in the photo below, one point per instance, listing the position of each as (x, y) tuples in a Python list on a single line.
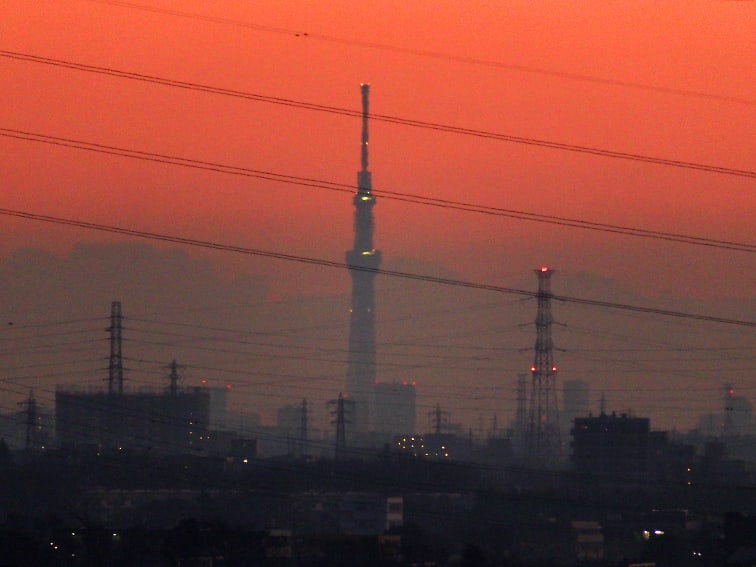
[(495, 66), (703, 47)]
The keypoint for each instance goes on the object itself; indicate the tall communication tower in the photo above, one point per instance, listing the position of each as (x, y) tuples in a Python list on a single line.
[(543, 440), (115, 367), (363, 261)]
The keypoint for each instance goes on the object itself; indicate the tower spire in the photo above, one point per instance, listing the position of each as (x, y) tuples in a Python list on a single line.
[(365, 88), (363, 261)]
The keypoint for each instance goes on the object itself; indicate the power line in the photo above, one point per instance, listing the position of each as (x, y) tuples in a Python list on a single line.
[(393, 195), (380, 117), (47, 324), (394, 348), (427, 53), (342, 265)]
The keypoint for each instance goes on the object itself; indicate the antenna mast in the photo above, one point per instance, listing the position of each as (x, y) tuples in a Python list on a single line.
[(365, 88)]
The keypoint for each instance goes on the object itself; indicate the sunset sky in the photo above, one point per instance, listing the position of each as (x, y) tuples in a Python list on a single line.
[(671, 80)]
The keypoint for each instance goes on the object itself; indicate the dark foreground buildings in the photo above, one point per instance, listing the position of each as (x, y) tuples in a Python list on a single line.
[(161, 422), (612, 445)]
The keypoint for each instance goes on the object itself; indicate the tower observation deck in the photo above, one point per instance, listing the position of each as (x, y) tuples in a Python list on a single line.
[(363, 261)]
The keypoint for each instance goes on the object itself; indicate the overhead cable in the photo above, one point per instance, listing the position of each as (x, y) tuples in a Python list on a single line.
[(342, 265), (380, 117), (305, 35), (392, 195)]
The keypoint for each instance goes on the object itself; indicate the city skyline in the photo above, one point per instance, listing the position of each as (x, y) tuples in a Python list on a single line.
[(682, 92)]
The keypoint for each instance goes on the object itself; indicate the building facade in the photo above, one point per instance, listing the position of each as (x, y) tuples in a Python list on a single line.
[(157, 422), (395, 408), (612, 445)]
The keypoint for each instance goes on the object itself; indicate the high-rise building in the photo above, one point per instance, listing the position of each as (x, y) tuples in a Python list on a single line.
[(612, 445), (292, 423), (218, 403), (289, 419), (395, 408), (160, 422), (574, 401), (363, 261), (738, 413)]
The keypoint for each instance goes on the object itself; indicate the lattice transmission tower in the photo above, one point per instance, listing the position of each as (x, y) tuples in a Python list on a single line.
[(31, 421), (543, 439), (115, 366), (341, 411)]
